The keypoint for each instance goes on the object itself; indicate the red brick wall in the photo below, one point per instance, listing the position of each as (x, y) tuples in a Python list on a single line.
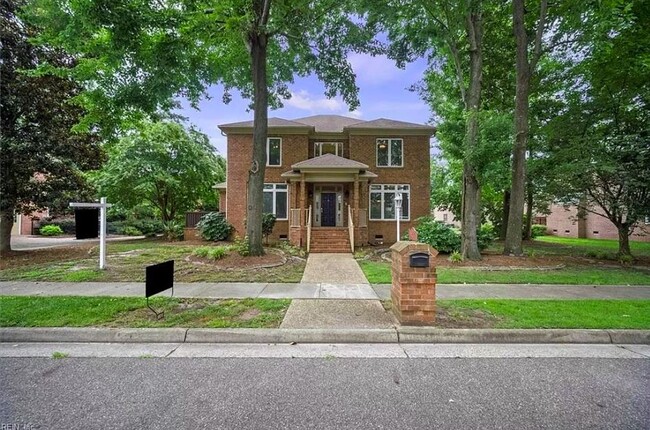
[(415, 171)]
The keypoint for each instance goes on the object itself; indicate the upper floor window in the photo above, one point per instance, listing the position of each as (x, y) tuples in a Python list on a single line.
[(389, 153), (273, 151), (322, 148), (275, 200)]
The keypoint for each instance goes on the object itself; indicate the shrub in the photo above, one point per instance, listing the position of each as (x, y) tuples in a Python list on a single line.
[(202, 251), (242, 246), (212, 252), (438, 235), (537, 230), (67, 225), (213, 227), (268, 222), (455, 257), (51, 230), (131, 231), (148, 227), (485, 236), (172, 231)]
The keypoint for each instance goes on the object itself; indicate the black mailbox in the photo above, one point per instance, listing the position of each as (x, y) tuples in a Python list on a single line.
[(419, 259)]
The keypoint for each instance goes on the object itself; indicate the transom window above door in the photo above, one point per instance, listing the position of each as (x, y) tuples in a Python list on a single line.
[(322, 148)]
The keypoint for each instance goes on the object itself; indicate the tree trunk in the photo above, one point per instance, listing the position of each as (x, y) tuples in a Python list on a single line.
[(504, 217), (623, 239), (258, 46), (528, 231), (6, 224), (513, 241), (471, 209)]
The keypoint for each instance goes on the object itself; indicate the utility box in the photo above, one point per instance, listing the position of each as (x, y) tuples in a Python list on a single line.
[(413, 289)]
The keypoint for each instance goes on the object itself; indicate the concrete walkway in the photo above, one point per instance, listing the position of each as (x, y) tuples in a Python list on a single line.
[(314, 290), (333, 269)]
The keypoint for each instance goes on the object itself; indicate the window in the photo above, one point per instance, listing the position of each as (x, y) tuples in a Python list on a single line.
[(389, 153), (322, 148), (273, 151), (275, 200), (382, 202)]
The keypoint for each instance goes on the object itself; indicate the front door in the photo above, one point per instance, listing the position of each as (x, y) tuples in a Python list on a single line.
[(328, 207)]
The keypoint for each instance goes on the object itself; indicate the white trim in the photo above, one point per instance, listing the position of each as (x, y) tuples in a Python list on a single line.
[(389, 140), (274, 191), (268, 152), (317, 145), (385, 191)]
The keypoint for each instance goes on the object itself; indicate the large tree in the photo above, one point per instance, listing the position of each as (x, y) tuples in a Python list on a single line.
[(163, 164), (41, 160), (451, 34), (144, 54)]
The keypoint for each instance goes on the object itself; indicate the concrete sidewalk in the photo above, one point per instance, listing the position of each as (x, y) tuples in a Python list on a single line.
[(305, 290)]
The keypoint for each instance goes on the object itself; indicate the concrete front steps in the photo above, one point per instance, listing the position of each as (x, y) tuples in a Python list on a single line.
[(330, 239)]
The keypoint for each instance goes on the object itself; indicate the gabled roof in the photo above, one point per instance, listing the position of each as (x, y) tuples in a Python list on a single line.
[(329, 161), (328, 123), (273, 123)]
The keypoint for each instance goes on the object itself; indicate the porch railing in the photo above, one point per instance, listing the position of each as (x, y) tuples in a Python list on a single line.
[(351, 228), (295, 218), (308, 228)]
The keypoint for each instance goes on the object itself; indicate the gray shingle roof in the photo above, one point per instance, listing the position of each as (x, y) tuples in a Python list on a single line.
[(328, 123), (273, 122), (329, 161), (389, 123)]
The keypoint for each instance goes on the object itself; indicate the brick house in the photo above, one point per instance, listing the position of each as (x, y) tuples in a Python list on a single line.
[(332, 180)]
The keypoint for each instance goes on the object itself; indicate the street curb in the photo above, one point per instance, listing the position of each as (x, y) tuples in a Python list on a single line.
[(397, 335)]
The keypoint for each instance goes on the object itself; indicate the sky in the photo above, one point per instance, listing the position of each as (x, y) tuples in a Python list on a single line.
[(383, 92)]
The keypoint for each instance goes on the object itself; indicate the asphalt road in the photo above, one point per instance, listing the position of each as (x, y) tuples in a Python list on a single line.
[(328, 393)]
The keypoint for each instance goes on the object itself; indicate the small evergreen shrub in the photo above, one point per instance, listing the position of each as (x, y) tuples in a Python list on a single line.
[(485, 236), (441, 237), (131, 231), (455, 257), (51, 230), (537, 230), (213, 227), (67, 225), (242, 246), (172, 231), (268, 222), (212, 252)]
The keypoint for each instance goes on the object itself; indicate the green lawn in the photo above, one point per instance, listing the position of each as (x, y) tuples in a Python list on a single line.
[(569, 314), (581, 246), (21, 311), (379, 273)]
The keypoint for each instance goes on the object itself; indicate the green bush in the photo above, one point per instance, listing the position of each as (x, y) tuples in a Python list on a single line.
[(131, 231), (242, 246), (485, 236), (268, 222), (67, 225), (148, 227), (213, 226), (441, 237), (212, 252), (172, 231), (455, 257), (51, 230), (537, 230)]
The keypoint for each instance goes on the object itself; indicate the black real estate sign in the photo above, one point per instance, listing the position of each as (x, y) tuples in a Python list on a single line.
[(86, 223), (159, 277)]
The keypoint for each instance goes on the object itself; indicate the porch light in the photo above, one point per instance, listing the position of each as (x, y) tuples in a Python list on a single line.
[(398, 209)]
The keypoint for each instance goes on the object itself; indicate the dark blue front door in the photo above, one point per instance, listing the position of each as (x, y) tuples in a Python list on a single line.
[(328, 206)]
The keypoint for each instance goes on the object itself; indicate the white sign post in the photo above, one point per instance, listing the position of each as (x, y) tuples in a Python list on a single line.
[(102, 205)]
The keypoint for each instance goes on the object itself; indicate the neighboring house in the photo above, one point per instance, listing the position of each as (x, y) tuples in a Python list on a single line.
[(24, 224), (445, 216), (564, 221), (331, 178)]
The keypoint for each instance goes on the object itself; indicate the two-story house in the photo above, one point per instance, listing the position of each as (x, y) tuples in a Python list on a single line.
[(331, 180)]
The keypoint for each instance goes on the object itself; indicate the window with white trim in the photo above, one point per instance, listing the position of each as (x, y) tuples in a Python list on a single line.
[(389, 152), (382, 202), (275, 200), (322, 148), (273, 151)]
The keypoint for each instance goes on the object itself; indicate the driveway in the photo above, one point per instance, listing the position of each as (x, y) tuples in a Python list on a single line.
[(25, 243)]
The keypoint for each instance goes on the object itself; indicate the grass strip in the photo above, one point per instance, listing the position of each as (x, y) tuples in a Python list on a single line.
[(546, 314), (379, 273), (30, 311)]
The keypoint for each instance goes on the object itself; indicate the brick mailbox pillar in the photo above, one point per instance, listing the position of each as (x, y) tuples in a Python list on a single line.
[(414, 283)]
